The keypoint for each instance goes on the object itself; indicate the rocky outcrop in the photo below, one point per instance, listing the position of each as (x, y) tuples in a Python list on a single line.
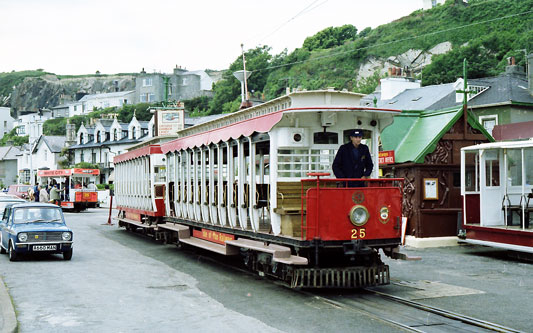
[(48, 91), (414, 60)]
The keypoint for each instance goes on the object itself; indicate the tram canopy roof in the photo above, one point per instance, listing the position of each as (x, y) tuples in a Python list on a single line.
[(502, 144), (414, 134), (139, 152), (246, 127)]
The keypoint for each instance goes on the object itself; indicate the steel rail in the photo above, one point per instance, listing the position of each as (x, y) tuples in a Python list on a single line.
[(445, 313)]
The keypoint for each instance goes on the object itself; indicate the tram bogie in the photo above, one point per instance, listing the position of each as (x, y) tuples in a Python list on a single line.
[(257, 184)]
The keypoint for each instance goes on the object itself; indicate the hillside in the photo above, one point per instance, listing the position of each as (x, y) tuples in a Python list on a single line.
[(431, 43)]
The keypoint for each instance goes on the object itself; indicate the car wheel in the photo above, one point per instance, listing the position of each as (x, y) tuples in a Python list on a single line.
[(67, 255), (12, 253)]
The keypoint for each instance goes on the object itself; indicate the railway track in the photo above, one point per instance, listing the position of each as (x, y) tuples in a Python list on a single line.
[(409, 315)]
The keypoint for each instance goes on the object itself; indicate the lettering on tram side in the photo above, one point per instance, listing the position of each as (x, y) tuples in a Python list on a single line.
[(358, 233), (213, 236)]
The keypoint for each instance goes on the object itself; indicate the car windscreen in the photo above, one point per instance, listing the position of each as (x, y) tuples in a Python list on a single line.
[(36, 214), (24, 188), (3, 205)]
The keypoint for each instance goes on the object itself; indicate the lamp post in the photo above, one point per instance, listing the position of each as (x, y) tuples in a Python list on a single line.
[(110, 192)]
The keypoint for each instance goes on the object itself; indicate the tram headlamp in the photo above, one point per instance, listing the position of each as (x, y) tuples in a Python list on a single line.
[(359, 215)]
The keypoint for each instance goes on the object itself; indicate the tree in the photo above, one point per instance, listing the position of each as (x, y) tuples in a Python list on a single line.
[(227, 90), (13, 138), (331, 37)]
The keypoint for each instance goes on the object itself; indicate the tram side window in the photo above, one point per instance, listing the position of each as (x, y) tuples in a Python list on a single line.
[(492, 168), (471, 172), (299, 162), (325, 138), (528, 158), (514, 167), (160, 174)]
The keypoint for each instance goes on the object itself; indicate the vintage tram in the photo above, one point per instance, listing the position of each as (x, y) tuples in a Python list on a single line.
[(497, 190), (257, 184), (77, 194)]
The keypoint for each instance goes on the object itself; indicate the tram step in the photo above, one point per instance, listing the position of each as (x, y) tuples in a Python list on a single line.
[(210, 246), (123, 220), (182, 230), (279, 253)]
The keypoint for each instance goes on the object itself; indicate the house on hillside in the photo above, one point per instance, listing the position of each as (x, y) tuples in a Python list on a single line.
[(499, 100), (100, 142), (8, 165), (427, 148), (31, 124), (44, 154), (180, 85), (6, 121)]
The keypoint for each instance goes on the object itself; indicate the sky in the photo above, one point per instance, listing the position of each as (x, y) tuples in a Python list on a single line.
[(124, 36)]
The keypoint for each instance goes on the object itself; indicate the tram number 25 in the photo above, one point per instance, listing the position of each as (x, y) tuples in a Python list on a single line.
[(358, 233)]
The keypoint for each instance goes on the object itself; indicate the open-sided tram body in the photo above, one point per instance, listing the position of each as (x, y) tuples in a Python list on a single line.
[(497, 190), (74, 182), (257, 183)]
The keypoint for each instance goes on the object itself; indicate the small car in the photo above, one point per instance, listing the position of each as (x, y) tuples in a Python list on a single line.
[(20, 191), (34, 228), (6, 199)]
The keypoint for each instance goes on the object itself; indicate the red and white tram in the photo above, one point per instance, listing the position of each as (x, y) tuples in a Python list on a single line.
[(497, 190), (76, 185), (257, 183)]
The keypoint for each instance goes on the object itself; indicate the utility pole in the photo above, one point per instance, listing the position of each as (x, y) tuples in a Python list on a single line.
[(465, 93)]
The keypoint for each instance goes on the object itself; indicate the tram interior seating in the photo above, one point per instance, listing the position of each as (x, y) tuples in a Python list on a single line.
[(289, 205), (515, 210)]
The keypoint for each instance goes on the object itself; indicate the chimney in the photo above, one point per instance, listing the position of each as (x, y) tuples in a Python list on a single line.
[(393, 86), (530, 73)]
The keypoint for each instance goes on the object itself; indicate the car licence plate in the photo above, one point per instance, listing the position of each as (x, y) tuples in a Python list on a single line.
[(44, 247)]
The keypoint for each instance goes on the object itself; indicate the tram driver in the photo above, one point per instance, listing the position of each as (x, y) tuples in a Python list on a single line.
[(353, 160)]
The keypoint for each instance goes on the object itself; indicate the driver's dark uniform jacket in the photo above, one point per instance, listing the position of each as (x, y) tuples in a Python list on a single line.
[(351, 162)]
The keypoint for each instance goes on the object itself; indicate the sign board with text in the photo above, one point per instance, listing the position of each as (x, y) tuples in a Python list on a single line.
[(386, 157), (170, 120)]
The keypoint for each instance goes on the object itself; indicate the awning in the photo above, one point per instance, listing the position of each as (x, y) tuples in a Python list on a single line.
[(246, 127)]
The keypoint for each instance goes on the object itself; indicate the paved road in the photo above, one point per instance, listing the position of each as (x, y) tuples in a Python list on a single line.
[(122, 282)]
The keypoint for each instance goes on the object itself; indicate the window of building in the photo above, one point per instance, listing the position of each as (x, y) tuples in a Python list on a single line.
[(97, 136), (115, 134), (184, 82), (81, 138), (147, 82), (133, 133), (93, 158), (143, 98), (488, 122), (151, 98), (81, 156), (45, 155)]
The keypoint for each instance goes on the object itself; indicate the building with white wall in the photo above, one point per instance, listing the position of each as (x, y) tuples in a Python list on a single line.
[(6, 121), (43, 154), (32, 124)]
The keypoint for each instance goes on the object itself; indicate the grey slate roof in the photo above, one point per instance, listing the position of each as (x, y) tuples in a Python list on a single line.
[(192, 121), (510, 86), (422, 98), (55, 143)]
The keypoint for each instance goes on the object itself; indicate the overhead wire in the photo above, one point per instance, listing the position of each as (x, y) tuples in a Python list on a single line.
[(395, 41), (307, 9)]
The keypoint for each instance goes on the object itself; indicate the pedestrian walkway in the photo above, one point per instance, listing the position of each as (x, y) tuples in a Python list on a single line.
[(8, 319)]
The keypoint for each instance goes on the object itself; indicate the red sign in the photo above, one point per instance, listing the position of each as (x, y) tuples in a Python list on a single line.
[(212, 236), (386, 157), (67, 172)]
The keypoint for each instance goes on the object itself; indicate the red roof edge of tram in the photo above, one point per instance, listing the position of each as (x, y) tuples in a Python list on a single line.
[(246, 127), (143, 151), (260, 124)]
